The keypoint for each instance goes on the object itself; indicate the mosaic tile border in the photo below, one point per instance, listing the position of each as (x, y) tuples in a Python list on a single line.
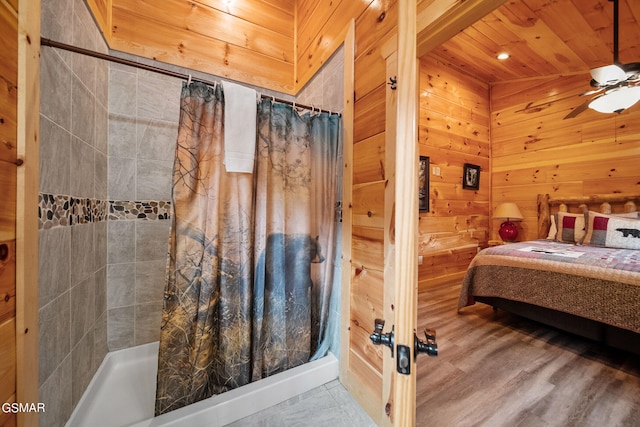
[(56, 210), (151, 210)]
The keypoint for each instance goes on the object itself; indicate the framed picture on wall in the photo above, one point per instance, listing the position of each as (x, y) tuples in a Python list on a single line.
[(423, 184), (471, 176)]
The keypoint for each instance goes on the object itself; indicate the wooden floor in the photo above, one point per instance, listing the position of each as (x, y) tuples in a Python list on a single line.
[(497, 369)]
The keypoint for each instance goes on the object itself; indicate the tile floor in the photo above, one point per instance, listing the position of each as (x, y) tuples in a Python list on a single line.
[(327, 405)]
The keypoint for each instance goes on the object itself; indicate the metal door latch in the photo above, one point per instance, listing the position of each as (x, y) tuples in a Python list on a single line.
[(430, 347), (378, 338), (403, 364)]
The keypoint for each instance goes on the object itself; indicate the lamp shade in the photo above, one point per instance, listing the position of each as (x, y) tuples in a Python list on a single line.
[(508, 211)]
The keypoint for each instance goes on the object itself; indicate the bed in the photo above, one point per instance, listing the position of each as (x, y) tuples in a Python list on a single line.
[(582, 275)]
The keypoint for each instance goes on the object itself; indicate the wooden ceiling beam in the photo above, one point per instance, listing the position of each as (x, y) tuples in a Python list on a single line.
[(451, 17)]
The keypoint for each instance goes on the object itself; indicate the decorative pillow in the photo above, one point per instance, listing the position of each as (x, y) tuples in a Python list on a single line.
[(612, 231), (571, 227), (553, 230), (628, 215)]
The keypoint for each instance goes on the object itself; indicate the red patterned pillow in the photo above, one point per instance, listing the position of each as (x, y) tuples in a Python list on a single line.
[(571, 227), (612, 231)]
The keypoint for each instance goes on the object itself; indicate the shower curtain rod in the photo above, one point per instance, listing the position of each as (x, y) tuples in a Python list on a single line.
[(164, 71)]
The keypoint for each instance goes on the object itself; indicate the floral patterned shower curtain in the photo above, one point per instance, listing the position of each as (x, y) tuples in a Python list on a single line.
[(249, 271)]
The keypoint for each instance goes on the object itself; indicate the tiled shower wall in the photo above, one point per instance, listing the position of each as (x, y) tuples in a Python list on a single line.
[(144, 110), (73, 229), (326, 89)]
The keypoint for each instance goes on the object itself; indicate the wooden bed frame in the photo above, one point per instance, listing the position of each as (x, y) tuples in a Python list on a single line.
[(597, 331)]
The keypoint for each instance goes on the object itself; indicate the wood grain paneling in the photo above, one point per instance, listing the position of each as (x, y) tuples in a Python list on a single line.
[(8, 193), (8, 83), (368, 204), (276, 15), (454, 129), (370, 67), (371, 159), (368, 394), (366, 305), (312, 17), (535, 150), (8, 419), (326, 36), (7, 280), (374, 24), (8, 201), (232, 40), (14, 5), (368, 248), (544, 38), (178, 16), (369, 114), (7, 359), (442, 266)]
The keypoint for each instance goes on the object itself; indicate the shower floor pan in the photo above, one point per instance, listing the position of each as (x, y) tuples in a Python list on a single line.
[(122, 393)]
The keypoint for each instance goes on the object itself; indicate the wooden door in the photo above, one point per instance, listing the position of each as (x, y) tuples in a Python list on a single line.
[(380, 249)]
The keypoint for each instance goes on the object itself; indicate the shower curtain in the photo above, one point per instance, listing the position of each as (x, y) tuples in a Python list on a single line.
[(249, 272)]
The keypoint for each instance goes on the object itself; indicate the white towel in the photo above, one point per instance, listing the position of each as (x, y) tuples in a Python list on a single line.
[(240, 110)]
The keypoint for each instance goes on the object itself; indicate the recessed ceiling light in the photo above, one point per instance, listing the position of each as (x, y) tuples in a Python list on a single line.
[(502, 56)]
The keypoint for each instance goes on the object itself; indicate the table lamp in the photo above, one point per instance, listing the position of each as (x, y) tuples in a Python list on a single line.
[(509, 212)]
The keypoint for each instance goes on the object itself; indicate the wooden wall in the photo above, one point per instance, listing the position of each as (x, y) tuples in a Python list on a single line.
[(454, 127), (274, 44), (8, 156), (248, 41), (535, 151)]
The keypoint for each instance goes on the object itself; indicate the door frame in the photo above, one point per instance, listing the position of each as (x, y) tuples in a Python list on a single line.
[(28, 155), (419, 31)]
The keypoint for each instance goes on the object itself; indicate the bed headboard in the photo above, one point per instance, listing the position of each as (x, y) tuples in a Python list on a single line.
[(603, 203)]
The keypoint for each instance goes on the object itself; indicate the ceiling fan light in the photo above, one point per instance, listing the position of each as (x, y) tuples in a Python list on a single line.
[(608, 73), (616, 100)]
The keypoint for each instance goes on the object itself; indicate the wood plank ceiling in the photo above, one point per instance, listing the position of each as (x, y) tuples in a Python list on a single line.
[(544, 38)]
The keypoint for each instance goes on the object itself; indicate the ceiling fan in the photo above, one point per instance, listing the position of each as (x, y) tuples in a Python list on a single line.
[(616, 86)]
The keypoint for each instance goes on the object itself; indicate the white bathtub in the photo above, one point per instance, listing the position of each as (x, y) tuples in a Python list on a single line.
[(122, 393)]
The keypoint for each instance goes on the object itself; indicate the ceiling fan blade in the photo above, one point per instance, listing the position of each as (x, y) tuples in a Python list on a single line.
[(608, 74), (580, 108), (591, 92)]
